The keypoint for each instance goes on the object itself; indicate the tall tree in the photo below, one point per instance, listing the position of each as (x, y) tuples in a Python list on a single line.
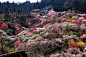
[(6, 10), (6, 13), (18, 12), (58, 5)]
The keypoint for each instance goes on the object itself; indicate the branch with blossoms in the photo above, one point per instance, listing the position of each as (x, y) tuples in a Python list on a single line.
[(43, 46), (83, 37)]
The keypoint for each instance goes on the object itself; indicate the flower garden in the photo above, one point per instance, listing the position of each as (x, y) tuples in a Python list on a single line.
[(59, 34)]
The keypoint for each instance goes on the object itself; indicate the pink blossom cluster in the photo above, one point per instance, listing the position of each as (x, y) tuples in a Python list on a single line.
[(39, 30), (78, 21), (68, 14), (52, 42), (83, 36), (62, 13), (20, 45), (61, 55), (82, 28), (66, 37), (17, 25), (54, 33), (1, 36), (84, 23), (26, 32), (32, 44), (53, 13), (32, 29), (17, 31), (54, 55), (67, 18), (45, 21), (54, 27), (82, 54), (4, 25), (58, 40), (35, 15), (1, 27), (17, 43), (74, 49)]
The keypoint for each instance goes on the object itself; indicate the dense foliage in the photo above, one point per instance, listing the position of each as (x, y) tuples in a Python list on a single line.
[(6, 13), (77, 4), (58, 5), (57, 34), (25, 7)]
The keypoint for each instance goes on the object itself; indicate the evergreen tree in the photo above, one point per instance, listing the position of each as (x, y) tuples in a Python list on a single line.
[(6, 13), (18, 12), (58, 5), (6, 10)]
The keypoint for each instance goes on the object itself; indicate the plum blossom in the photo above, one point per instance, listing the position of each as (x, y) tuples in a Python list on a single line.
[(83, 36), (66, 37), (54, 55)]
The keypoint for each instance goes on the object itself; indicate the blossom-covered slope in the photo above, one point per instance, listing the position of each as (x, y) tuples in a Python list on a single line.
[(58, 34)]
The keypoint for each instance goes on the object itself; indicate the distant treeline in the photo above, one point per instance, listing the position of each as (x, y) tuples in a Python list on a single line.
[(25, 7), (58, 5), (76, 5), (61, 5)]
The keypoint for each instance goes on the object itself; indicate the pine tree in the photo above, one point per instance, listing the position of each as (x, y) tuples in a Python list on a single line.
[(18, 11), (6, 10), (6, 13)]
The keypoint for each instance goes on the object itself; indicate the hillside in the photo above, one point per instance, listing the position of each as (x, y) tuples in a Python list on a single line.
[(58, 34), (50, 30)]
